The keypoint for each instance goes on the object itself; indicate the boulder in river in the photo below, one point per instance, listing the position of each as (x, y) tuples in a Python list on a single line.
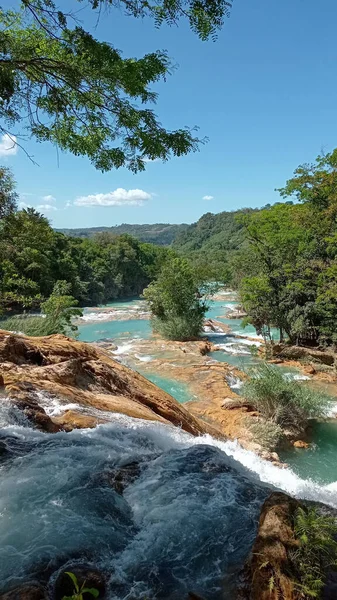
[(120, 478), (299, 352)]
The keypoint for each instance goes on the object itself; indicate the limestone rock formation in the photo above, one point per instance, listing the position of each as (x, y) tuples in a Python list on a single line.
[(35, 371)]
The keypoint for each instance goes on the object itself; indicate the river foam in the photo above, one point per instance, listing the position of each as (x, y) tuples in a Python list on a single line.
[(186, 523)]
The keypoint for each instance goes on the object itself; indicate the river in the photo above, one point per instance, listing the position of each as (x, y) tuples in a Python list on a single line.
[(316, 463), (186, 523)]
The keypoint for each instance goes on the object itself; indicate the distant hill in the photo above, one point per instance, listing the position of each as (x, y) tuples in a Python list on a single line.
[(212, 242), (162, 234), (212, 232), (213, 238)]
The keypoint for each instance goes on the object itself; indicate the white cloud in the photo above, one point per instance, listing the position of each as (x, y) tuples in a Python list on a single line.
[(49, 198), (150, 160), (46, 207), (8, 145), (24, 205), (207, 197), (119, 197)]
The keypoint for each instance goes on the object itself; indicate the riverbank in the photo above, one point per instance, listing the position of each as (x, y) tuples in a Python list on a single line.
[(207, 375)]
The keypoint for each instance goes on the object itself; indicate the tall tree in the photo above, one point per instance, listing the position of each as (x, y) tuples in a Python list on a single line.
[(292, 258), (66, 87), (177, 307), (8, 195)]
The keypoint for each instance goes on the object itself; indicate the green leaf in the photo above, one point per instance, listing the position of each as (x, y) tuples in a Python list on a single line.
[(74, 580), (92, 591)]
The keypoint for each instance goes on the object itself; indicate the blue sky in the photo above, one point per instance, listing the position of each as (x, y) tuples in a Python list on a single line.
[(265, 94)]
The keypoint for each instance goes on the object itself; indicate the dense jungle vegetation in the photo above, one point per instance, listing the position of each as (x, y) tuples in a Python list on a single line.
[(287, 273), (34, 257), (282, 258)]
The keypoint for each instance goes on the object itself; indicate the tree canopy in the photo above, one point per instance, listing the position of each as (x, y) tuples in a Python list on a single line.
[(60, 84), (8, 195), (177, 307), (34, 258), (289, 269)]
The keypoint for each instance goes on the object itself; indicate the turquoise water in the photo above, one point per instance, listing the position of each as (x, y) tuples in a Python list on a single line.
[(122, 331), (240, 361), (122, 303), (178, 390), (318, 462), (115, 330), (218, 310)]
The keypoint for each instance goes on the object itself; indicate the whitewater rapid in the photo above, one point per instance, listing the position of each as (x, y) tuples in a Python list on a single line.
[(186, 523)]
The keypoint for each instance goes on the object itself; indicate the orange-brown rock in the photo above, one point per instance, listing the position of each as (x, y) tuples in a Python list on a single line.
[(326, 357), (267, 571), (301, 444), (216, 326), (205, 348), (80, 373), (309, 369)]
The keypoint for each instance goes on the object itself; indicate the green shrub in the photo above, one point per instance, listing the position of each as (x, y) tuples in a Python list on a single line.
[(287, 403), (177, 306), (59, 309), (29, 325), (178, 328), (317, 551), (266, 433)]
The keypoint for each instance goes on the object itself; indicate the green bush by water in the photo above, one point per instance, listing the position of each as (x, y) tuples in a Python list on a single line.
[(29, 325), (286, 403), (176, 304), (59, 309), (267, 433)]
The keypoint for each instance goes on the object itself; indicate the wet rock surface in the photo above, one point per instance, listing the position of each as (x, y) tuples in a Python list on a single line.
[(299, 352), (25, 592), (85, 376), (120, 478)]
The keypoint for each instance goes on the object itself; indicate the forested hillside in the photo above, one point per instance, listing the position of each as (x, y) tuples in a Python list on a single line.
[(34, 257), (211, 242), (161, 234)]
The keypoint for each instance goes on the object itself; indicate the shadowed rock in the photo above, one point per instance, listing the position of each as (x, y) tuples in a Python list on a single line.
[(25, 592), (269, 560), (119, 478)]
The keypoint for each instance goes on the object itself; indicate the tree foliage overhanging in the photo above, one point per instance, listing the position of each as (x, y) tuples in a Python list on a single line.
[(62, 85)]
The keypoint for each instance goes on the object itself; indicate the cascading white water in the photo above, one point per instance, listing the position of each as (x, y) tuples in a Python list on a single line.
[(186, 523)]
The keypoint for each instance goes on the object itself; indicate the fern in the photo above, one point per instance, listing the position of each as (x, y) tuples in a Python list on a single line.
[(317, 552)]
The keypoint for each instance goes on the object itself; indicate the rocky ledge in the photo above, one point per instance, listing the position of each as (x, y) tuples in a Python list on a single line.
[(270, 572), (85, 384)]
